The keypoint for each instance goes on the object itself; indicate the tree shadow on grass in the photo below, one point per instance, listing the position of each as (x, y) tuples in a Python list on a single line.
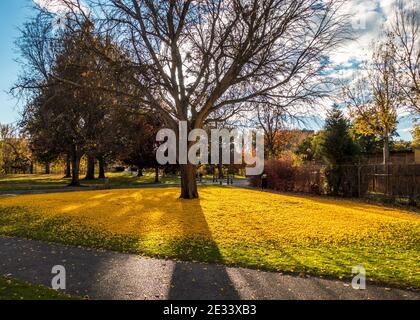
[(196, 281), (361, 204), (194, 241)]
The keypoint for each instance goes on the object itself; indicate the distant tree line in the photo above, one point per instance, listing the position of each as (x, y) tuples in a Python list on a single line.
[(69, 116)]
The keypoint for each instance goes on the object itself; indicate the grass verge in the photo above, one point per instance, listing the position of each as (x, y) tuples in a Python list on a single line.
[(11, 289)]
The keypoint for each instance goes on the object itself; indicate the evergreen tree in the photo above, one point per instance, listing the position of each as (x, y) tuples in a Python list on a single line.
[(336, 147)]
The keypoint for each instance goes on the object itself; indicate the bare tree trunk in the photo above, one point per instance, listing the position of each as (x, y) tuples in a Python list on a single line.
[(188, 182), (386, 149), (75, 168), (269, 148), (47, 168), (31, 168), (140, 172), (220, 171), (220, 164), (67, 173), (90, 172), (157, 174), (101, 168)]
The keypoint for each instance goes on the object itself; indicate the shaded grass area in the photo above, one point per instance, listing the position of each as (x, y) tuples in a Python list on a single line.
[(28, 182), (210, 177), (232, 226), (11, 289), (20, 182)]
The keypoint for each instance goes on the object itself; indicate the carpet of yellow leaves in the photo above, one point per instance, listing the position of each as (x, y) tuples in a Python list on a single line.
[(252, 228), (227, 213)]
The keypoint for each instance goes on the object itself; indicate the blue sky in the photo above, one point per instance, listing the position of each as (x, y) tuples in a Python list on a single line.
[(12, 14), (369, 14)]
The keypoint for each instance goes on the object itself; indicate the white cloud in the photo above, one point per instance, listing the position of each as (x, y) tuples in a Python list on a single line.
[(369, 19), (366, 20), (54, 6), (59, 6)]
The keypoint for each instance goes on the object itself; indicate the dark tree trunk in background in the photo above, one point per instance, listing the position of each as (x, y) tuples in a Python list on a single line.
[(47, 168), (101, 168), (31, 168), (140, 172), (220, 171), (67, 172), (75, 168), (157, 175), (386, 161), (386, 149), (188, 182), (220, 164), (90, 172)]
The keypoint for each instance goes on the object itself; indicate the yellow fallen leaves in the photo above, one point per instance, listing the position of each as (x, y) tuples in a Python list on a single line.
[(239, 226), (229, 214)]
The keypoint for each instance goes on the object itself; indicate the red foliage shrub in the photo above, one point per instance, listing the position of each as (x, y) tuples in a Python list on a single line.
[(280, 175)]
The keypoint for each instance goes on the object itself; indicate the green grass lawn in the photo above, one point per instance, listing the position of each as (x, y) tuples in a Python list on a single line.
[(24, 182), (11, 289), (20, 182), (27, 182), (232, 226)]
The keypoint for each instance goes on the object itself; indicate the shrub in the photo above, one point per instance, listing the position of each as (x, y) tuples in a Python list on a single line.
[(280, 175), (309, 179)]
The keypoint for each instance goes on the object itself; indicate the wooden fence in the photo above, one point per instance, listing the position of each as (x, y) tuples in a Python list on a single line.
[(392, 180)]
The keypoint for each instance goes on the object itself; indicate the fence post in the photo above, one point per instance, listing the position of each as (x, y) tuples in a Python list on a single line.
[(374, 178), (413, 196)]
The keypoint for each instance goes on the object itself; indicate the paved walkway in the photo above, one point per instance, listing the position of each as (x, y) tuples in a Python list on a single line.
[(42, 190), (82, 188), (109, 275)]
